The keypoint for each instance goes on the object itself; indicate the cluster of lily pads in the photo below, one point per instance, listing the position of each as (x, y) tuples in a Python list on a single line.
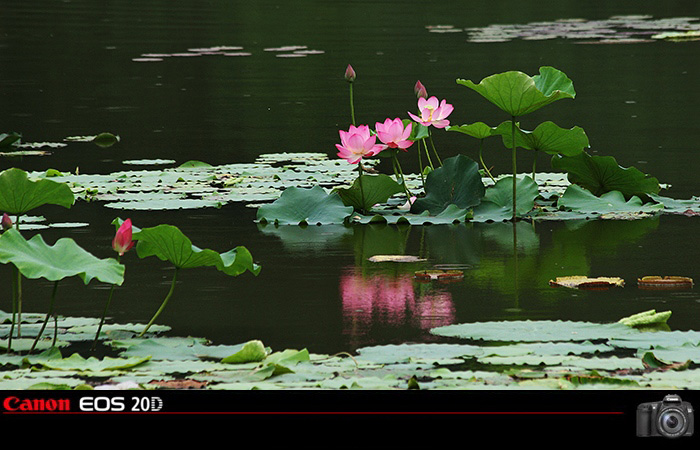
[(485, 355), (33, 258), (457, 189)]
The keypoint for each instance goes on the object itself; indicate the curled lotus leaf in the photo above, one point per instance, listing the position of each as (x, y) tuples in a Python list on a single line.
[(168, 243), (34, 258), (19, 194), (518, 93)]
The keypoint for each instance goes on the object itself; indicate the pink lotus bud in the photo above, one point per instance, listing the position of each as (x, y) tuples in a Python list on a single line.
[(420, 90), (122, 241), (6, 222), (350, 74)]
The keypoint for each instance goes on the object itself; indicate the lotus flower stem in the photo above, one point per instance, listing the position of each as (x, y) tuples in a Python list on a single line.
[(430, 136), (162, 306), (104, 313), (481, 158), (420, 167), (46, 320), (362, 191), (352, 106), (427, 153), (398, 170)]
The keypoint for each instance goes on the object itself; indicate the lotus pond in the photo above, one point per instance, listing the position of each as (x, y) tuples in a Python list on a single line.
[(445, 262)]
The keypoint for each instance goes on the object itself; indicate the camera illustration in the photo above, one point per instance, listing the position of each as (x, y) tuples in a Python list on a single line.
[(670, 418)]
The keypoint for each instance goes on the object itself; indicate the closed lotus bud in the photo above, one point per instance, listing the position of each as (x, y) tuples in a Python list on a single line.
[(420, 90), (350, 74), (122, 241), (6, 222)]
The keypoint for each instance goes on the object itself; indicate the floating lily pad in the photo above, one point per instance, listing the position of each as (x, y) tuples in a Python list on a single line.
[(581, 200), (646, 318), (534, 331), (396, 258)]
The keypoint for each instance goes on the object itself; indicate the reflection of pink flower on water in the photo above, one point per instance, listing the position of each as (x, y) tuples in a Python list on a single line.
[(391, 300), (387, 297), (435, 310)]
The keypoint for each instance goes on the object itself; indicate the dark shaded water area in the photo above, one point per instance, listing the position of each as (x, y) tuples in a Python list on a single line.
[(73, 68)]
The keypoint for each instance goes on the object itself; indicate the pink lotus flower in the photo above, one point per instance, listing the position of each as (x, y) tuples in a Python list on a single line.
[(433, 113), (420, 90), (122, 241), (393, 134), (357, 143), (350, 74)]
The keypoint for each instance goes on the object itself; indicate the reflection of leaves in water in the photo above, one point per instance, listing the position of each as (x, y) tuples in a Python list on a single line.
[(452, 244), (306, 239)]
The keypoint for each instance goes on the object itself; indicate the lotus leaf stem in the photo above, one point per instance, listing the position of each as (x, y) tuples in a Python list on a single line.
[(481, 158), (104, 313), (46, 320), (162, 306), (515, 172)]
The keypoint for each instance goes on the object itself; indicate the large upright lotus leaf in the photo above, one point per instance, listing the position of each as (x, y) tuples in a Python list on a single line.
[(579, 199), (548, 137), (497, 204), (19, 194), (375, 189), (457, 182), (518, 94), (168, 243), (601, 174), (477, 130), (300, 206), (36, 259)]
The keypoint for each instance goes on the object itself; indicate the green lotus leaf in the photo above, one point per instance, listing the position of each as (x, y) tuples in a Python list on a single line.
[(477, 130), (548, 137), (534, 331), (518, 94), (168, 243), (457, 182), (19, 194), (300, 206), (601, 174), (497, 204), (375, 189), (451, 214), (9, 139), (578, 199), (36, 259)]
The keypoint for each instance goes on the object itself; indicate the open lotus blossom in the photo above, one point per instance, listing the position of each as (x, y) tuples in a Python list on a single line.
[(122, 241), (393, 134), (357, 143), (432, 113)]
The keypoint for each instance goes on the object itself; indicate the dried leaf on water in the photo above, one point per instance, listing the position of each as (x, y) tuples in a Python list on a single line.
[(666, 282), (583, 282)]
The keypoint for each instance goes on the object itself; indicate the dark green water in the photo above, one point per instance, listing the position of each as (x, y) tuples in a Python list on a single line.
[(68, 69)]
